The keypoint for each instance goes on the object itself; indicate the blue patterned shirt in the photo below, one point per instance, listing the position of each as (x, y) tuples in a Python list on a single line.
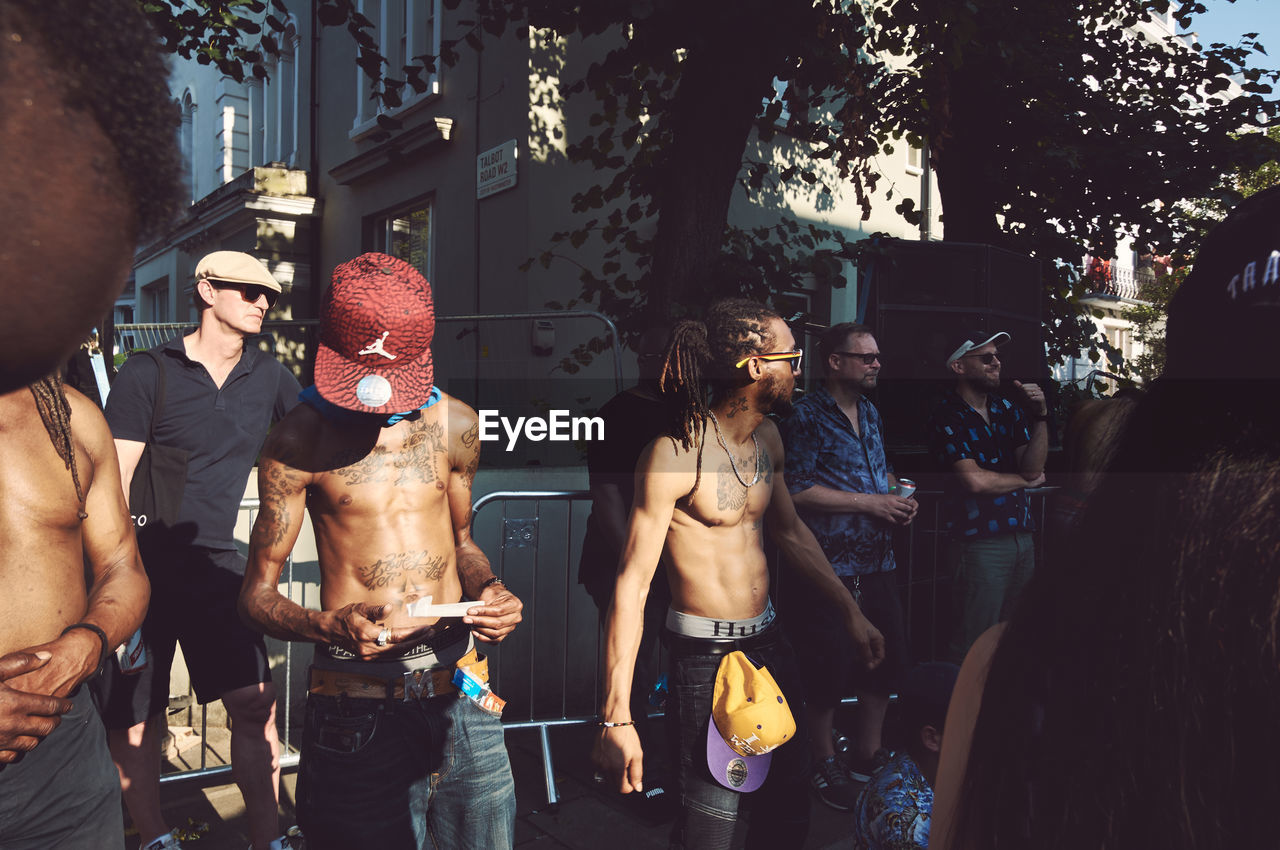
[(894, 810), (957, 432), (822, 449)]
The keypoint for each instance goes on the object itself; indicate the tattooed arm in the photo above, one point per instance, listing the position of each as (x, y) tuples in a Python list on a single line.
[(282, 494), (500, 610)]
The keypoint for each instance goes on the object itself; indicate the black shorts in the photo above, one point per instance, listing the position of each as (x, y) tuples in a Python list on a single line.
[(829, 666), (193, 601)]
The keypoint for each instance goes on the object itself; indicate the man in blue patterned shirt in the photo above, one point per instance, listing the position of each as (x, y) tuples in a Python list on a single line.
[(994, 454), (841, 485), (895, 809)]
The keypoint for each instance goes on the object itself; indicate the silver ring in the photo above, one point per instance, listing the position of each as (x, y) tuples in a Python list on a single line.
[(383, 636)]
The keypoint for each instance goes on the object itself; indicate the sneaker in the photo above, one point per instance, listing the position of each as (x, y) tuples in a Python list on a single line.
[(833, 785), (858, 771), (655, 804), (291, 840), (164, 842)]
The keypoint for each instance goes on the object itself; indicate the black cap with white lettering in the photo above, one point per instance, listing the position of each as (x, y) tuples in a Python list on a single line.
[(1232, 293)]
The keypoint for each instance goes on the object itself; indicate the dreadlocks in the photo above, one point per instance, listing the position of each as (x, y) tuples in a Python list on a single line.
[(702, 356), (55, 412)]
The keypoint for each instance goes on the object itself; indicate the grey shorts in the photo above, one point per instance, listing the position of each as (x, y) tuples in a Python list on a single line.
[(65, 793)]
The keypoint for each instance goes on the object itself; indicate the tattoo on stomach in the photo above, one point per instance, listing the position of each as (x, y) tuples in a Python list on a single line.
[(403, 571)]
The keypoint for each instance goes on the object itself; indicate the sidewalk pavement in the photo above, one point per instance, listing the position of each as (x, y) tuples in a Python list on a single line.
[(586, 817)]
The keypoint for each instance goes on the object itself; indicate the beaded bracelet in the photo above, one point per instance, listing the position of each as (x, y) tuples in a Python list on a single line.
[(610, 724), (102, 636)]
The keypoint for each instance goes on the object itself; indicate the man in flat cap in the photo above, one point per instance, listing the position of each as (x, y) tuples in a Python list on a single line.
[(210, 395), (403, 744)]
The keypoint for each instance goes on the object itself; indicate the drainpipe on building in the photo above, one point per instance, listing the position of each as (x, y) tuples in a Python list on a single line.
[(926, 192), (475, 132), (313, 173)]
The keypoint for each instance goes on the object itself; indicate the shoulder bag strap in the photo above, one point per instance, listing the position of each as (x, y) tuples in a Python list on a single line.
[(159, 403)]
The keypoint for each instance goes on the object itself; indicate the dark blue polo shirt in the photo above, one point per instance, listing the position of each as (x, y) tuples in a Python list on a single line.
[(822, 448), (957, 432), (222, 429)]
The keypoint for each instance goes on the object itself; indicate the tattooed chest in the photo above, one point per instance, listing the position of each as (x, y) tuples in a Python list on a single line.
[(420, 458)]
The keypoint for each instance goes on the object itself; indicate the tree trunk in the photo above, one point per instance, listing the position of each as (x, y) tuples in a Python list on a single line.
[(722, 83), (967, 166)]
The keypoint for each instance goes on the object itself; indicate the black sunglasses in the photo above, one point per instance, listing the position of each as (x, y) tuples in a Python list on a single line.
[(987, 359), (867, 359), (250, 292)]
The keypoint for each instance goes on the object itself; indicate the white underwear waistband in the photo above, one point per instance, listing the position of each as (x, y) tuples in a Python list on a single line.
[(707, 628)]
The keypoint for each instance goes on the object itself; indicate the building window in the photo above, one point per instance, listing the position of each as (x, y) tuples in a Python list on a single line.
[(404, 29), (407, 235), (155, 300), (187, 142), (915, 159), (257, 120), (282, 100)]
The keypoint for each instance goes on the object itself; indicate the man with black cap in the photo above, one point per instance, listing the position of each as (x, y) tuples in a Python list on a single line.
[(403, 745), (210, 395), (994, 451)]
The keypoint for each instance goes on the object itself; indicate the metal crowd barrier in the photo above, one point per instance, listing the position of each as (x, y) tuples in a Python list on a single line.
[(548, 669), (288, 754)]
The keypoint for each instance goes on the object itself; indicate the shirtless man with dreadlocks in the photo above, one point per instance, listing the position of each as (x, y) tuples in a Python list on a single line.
[(705, 492), (64, 516)]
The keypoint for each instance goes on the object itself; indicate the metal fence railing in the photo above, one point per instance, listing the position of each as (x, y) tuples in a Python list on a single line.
[(548, 669), (287, 667)]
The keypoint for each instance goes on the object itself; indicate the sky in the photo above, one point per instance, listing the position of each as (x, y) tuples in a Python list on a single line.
[(1226, 22)]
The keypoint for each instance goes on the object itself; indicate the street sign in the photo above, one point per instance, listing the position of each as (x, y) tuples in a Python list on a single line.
[(496, 170)]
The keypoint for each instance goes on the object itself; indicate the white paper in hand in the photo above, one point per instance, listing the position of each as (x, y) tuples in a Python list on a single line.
[(423, 608)]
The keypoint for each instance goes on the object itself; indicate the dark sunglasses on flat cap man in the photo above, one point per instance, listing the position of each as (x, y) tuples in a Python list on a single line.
[(250, 292)]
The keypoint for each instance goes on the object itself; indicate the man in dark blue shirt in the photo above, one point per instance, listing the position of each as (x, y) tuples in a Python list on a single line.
[(220, 398), (842, 487), (985, 440)]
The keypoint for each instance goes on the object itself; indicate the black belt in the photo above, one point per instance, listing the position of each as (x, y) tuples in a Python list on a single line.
[(438, 640), (684, 645)]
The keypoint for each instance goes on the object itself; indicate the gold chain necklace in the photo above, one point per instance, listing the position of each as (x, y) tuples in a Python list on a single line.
[(732, 463)]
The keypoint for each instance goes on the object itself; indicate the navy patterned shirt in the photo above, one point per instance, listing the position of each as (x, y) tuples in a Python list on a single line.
[(895, 809), (957, 432), (822, 449)]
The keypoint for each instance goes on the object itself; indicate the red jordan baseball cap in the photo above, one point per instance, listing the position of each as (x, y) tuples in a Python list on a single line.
[(376, 324)]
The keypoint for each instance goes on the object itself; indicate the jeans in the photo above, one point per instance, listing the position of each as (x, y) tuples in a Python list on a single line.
[(709, 810), (988, 575), (388, 774)]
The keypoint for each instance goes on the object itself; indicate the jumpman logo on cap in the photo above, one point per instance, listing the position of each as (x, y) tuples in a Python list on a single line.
[(375, 347)]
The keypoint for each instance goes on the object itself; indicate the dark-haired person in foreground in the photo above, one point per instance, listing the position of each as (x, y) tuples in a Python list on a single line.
[(1131, 699), (706, 492), (90, 161), (399, 751)]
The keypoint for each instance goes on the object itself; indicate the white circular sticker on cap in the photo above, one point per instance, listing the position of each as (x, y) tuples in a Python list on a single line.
[(373, 391)]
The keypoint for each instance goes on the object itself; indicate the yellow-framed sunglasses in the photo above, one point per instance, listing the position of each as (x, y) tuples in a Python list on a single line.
[(796, 355)]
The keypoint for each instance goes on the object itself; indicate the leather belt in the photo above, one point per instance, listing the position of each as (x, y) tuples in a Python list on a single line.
[(412, 685)]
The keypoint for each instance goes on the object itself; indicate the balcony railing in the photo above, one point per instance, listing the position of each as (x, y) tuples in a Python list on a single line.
[(1124, 282)]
